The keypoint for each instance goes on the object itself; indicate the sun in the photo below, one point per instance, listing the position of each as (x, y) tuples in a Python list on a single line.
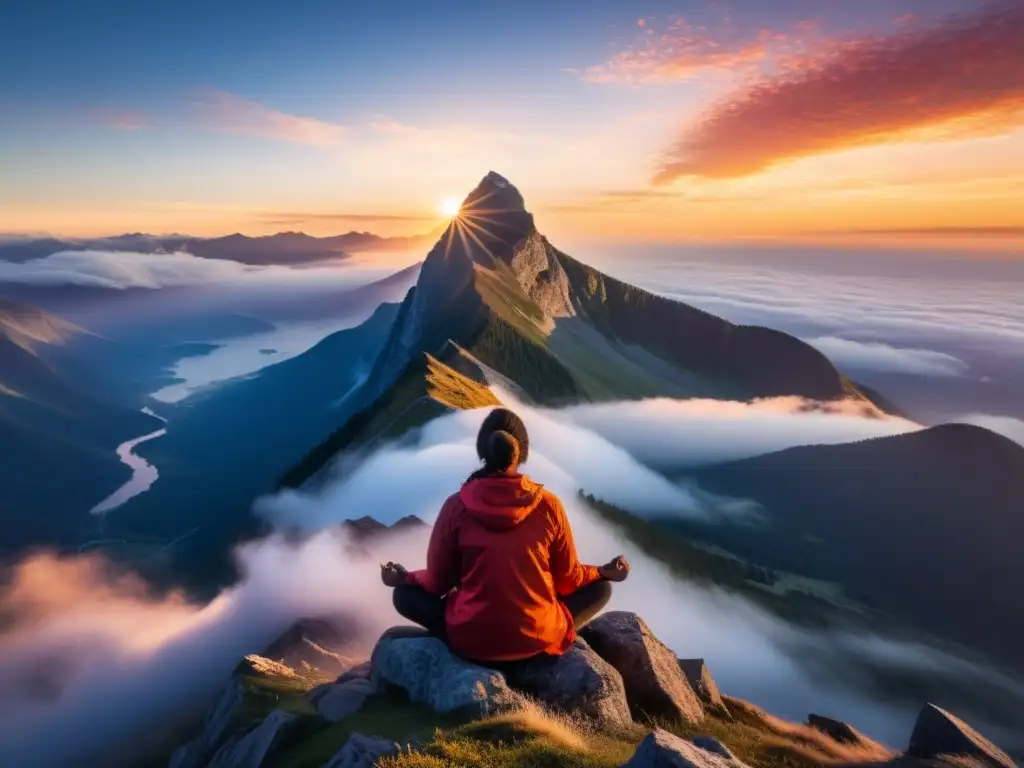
[(450, 207)]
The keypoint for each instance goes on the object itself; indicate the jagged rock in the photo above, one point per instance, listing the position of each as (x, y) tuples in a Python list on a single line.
[(655, 685), (340, 700), (314, 645), (842, 732), (249, 750), (578, 681), (362, 752), (699, 677), (663, 750), (542, 277), (711, 744), (196, 752), (362, 670), (938, 732), (433, 675)]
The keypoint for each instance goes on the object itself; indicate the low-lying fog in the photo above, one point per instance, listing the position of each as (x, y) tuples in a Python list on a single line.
[(89, 659)]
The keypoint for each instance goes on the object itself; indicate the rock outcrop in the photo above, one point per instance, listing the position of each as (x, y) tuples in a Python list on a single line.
[(703, 684), (198, 751), (663, 750), (248, 750), (339, 700), (430, 673), (939, 733), (842, 732), (578, 681), (362, 752), (656, 686)]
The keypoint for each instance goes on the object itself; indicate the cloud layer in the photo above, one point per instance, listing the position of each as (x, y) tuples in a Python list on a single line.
[(125, 269), (963, 76), (78, 628), (876, 356), (663, 433)]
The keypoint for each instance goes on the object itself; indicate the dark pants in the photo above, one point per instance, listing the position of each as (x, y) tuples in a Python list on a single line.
[(427, 610)]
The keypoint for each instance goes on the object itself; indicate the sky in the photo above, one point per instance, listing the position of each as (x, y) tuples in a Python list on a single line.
[(661, 120)]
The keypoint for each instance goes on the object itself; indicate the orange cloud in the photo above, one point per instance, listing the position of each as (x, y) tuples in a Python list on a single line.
[(681, 52), (963, 76), (229, 113)]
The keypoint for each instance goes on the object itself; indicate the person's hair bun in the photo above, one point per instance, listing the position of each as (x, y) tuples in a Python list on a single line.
[(502, 450)]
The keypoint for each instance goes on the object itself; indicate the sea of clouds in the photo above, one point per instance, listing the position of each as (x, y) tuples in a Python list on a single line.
[(89, 659), (119, 270)]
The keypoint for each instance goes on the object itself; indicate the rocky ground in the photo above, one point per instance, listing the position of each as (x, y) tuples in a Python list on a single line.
[(618, 697)]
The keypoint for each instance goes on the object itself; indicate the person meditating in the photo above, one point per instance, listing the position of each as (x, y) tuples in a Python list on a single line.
[(503, 581)]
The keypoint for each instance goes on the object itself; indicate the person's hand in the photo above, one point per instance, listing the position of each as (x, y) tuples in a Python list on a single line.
[(393, 574), (616, 570)]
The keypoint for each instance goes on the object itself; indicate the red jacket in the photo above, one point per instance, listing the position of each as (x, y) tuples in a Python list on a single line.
[(505, 543)]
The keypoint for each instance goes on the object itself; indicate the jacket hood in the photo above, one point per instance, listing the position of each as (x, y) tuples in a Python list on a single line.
[(501, 502)]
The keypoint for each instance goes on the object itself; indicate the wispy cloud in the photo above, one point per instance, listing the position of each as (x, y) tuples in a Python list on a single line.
[(996, 230), (876, 356), (680, 52), (298, 217), (617, 198), (229, 113), (121, 119), (962, 76)]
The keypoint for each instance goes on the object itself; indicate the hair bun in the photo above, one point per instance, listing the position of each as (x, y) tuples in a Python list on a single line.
[(502, 450)]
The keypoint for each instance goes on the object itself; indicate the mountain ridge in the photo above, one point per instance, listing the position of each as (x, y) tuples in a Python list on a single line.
[(564, 332)]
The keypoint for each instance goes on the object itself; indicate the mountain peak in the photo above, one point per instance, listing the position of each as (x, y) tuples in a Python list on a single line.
[(494, 195)]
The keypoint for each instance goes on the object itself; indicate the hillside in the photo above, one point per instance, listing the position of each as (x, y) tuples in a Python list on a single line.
[(50, 428), (234, 440), (892, 519), (563, 332)]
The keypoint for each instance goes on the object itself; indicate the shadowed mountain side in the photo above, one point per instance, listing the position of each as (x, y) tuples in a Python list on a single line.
[(57, 441), (926, 525), (234, 440), (565, 333)]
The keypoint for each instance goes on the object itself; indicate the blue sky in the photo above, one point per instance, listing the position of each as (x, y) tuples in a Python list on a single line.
[(206, 115)]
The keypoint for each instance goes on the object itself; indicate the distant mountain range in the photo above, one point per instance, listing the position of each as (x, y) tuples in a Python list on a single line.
[(494, 294), (282, 248)]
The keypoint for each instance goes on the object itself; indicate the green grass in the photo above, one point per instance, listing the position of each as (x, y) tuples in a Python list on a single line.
[(389, 716), (535, 739)]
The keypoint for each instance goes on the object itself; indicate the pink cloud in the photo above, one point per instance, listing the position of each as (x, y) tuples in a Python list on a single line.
[(229, 113), (681, 51), (121, 119), (963, 76)]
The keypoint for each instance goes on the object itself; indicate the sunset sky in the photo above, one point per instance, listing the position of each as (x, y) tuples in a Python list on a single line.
[(646, 119)]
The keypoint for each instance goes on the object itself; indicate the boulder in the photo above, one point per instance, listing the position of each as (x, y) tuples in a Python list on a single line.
[(842, 732), (362, 752), (700, 680), (938, 732), (363, 670), (579, 681), (656, 687), (249, 750), (433, 675), (340, 700), (711, 744), (663, 750), (197, 751)]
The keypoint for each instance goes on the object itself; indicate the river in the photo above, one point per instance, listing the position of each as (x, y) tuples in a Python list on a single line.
[(143, 476)]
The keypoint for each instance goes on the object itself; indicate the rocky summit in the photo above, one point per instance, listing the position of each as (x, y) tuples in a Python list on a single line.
[(618, 697)]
